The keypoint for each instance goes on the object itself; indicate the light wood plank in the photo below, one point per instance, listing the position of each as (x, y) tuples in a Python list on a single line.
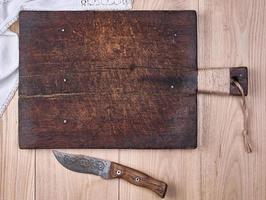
[(165, 4), (179, 168), (16, 166), (232, 33)]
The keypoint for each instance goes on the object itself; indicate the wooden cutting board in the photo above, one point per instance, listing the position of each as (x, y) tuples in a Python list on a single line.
[(108, 79)]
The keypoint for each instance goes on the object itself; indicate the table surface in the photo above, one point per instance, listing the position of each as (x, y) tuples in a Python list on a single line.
[(230, 33)]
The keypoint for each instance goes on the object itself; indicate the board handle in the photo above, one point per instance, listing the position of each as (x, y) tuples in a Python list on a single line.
[(219, 80), (138, 178)]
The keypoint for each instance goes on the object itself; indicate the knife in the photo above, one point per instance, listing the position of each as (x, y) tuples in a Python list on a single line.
[(110, 170)]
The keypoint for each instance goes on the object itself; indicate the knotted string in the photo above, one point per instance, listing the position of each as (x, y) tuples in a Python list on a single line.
[(246, 137)]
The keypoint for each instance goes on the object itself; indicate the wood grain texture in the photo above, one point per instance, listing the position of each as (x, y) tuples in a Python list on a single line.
[(122, 80), (138, 178), (16, 166), (231, 33)]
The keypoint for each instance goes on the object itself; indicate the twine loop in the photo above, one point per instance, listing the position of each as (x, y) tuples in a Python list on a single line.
[(245, 133)]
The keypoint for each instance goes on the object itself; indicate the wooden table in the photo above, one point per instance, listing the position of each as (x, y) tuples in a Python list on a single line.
[(230, 33)]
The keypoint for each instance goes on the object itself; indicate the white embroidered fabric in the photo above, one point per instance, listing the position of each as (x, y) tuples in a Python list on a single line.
[(9, 51)]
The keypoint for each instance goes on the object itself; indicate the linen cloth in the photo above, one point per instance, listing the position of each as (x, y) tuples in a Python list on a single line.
[(9, 50)]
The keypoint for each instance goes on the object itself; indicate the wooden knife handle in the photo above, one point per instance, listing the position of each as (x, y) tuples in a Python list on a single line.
[(219, 80), (138, 178)]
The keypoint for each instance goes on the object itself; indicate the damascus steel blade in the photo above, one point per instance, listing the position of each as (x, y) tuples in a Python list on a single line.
[(84, 164)]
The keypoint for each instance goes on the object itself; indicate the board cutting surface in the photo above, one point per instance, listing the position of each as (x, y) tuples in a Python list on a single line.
[(122, 79)]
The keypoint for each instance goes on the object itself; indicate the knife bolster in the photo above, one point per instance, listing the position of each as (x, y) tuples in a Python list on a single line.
[(138, 178), (219, 80)]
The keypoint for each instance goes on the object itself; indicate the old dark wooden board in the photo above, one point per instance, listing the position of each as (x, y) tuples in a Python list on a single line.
[(108, 79)]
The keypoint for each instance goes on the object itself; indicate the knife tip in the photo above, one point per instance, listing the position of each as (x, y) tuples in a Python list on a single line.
[(56, 153)]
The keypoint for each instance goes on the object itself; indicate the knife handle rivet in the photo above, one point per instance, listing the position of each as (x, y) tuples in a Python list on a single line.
[(118, 172), (172, 86), (62, 30), (137, 179), (65, 80), (65, 121)]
